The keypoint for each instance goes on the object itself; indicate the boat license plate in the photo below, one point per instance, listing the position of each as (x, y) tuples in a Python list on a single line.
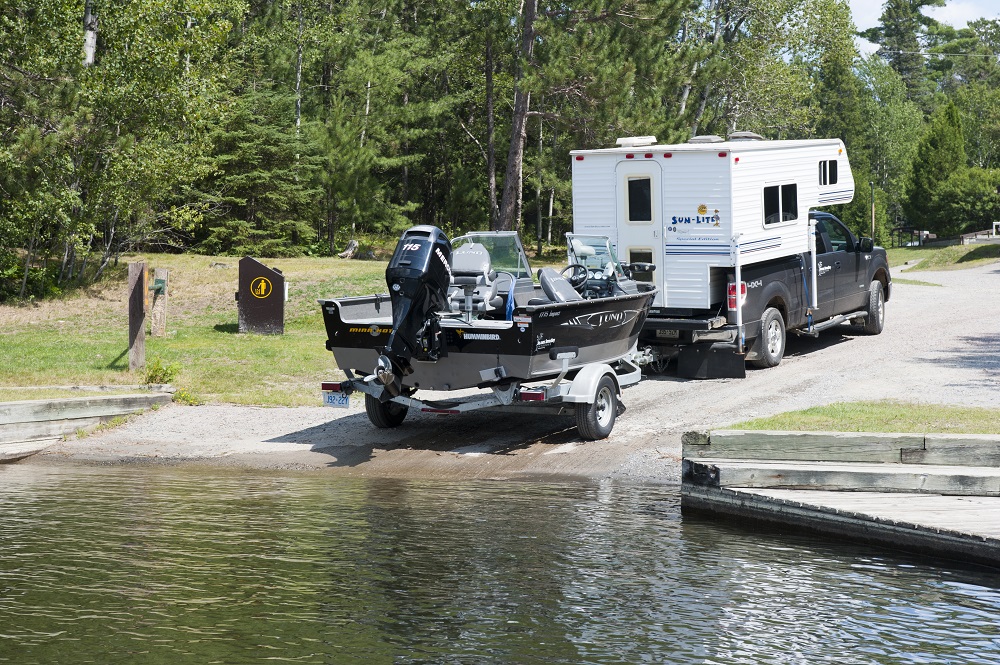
[(336, 399), (668, 334)]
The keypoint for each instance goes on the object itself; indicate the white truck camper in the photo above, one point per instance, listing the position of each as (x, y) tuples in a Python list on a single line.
[(702, 213)]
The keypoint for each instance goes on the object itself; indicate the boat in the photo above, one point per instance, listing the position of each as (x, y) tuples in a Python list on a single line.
[(469, 313)]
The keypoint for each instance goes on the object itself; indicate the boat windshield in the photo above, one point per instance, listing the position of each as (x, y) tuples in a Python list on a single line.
[(504, 247), (593, 252)]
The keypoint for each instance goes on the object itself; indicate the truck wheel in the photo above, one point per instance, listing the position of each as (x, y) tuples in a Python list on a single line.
[(875, 320), (384, 414), (595, 421), (772, 339)]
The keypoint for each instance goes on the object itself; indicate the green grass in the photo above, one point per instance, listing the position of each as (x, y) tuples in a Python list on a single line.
[(885, 416), (950, 257), (18, 394), (914, 282), (82, 339)]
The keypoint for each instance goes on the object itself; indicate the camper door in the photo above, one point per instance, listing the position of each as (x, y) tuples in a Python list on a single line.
[(640, 215)]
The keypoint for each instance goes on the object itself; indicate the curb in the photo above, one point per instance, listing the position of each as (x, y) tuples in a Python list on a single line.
[(27, 427)]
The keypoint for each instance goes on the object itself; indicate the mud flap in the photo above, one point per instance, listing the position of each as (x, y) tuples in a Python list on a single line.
[(716, 360)]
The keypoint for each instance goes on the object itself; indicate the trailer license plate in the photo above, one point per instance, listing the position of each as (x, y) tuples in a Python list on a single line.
[(336, 399), (668, 334)]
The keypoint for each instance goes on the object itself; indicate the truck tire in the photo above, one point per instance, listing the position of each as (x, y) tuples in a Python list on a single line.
[(875, 320), (595, 421), (772, 339), (384, 415)]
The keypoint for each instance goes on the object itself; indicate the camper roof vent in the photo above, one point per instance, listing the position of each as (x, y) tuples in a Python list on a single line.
[(635, 141), (705, 138), (745, 136)]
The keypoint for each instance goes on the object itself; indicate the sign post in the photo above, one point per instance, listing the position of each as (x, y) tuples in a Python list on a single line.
[(137, 291), (158, 312)]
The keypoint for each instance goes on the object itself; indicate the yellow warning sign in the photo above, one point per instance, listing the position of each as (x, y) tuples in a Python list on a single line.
[(260, 287)]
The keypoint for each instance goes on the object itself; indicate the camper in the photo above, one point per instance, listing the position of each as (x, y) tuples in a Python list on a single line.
[(728, 232)]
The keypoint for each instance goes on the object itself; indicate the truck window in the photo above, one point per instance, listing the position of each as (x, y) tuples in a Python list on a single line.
[(781, 203), (640, 200), (840, 240)]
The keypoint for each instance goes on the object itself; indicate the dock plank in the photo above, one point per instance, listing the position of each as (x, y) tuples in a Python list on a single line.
[(956, 449), (804, 446), (853, 477)]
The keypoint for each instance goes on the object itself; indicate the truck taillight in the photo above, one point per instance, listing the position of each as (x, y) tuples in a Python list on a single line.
[(731, 294)]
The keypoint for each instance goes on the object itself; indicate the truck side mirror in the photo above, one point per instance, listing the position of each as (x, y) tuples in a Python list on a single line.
[(866, 245)]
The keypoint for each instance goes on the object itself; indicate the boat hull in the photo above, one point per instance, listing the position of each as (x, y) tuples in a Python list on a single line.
[(484, 351)]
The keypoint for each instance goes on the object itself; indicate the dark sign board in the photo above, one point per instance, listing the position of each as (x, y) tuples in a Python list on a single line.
[(261, 298)]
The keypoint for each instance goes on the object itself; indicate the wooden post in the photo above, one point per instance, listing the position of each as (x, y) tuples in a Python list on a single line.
[(136, 316), (158, 313)]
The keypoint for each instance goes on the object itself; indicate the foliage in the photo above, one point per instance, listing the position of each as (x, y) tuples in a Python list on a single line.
[(289, 127), (158, 372), (940, 153)]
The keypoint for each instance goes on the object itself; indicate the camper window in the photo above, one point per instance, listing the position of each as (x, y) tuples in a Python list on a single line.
[(781, 203), (640, 200), (828, 172)]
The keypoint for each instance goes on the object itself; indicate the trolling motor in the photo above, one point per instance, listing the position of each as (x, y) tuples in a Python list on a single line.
[(418, 277)]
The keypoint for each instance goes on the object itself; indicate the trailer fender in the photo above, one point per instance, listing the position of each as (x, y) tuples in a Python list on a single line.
[(584, 384)]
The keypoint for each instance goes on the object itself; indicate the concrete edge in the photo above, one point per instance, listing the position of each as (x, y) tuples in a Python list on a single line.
[(29, 427), (832, 522)]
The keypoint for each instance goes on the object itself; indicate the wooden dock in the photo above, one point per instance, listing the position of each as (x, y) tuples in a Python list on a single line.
[(931, 493)]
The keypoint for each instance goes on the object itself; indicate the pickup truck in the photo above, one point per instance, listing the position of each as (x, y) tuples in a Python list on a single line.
[(852, 285)]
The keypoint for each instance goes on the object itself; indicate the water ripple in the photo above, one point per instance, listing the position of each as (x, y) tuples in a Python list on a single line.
[(192, 566)]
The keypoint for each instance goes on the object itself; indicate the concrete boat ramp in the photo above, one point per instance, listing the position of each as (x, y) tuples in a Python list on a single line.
[(931, 493)]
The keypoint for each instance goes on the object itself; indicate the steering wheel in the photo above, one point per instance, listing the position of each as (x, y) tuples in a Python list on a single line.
[(577, 276)]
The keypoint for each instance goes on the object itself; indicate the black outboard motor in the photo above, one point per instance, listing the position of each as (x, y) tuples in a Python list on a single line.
[(418, 277)]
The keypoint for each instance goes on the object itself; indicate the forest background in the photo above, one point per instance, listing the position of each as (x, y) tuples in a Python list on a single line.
[(281, 128)]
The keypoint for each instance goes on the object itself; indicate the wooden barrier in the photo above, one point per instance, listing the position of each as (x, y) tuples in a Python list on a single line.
[(137, 292)]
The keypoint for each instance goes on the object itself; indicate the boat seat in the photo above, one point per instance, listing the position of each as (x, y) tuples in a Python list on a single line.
[(556, 287), (474, 283)]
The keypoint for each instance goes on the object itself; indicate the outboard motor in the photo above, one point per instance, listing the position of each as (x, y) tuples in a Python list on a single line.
[(418, 277)]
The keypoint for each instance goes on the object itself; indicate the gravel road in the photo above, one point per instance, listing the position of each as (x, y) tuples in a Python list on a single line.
[(941, 345)]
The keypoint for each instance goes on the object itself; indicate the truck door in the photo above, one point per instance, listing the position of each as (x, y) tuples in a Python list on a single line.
[(850, 289), (826, 272), (639, 213)]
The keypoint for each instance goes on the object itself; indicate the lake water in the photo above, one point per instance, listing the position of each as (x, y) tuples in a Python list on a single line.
[(186, 565)]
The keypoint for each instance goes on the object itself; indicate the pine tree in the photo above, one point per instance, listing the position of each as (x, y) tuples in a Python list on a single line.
[(900, 37), (940, 153)]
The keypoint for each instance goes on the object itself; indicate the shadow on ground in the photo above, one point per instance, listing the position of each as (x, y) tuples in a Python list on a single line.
[(352, 440)]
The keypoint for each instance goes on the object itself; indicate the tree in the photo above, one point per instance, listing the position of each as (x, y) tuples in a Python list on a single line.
[(901, 36), (968, 200), (940, 153)]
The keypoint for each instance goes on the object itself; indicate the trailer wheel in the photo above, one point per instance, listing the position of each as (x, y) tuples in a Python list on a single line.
[(772, 342), (384, 415), (595, 421), (875, 308)]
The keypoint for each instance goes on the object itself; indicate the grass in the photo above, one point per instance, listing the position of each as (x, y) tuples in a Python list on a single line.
[(914, 282), (82, 338), (948, 257), (883, 416)]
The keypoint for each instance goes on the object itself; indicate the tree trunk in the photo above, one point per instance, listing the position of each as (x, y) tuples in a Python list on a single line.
[(89, 34), (509, 207), (27, 261), (491, 148), (298, 74)]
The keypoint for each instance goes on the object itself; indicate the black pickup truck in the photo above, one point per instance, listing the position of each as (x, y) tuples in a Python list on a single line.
[(852, 285)]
